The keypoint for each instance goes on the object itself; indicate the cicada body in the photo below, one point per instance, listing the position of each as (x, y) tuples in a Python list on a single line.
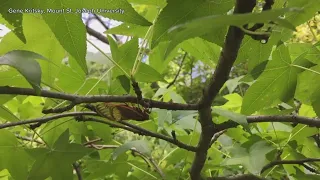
[(122, 111)]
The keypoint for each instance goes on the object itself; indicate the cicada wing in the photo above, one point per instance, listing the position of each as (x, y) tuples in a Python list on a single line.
[(116, 114), (133, 113), (105, 110), (121, 111)]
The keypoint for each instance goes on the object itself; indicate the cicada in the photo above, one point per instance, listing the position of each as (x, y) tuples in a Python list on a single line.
[(122, 111)]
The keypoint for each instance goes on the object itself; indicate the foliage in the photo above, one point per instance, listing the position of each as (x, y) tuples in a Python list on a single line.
[(260, 121)]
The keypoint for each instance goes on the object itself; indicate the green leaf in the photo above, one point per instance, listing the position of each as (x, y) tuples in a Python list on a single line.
[(301, 132), (307, 111), (25, 63), (305, 92), (256, 52), (12, 156), (301, 175), (256, 72), (206, 51), (309, 51), (118, 167), (238, 118), (188, 122), (124, 11), (13, 18), (157, 59), (238, 134), (71, 33), (7, 115), (139, 145), (125, 82), (277, 82), (28, 110), (41, 41), (176, 97), (128, 29), (310, 8), (146, 73), (53, 130), (103, 132), (125, 56), (208, 24), (5, 98), (181, 11), (316, 100), (159, 3), (116, 88), (232, 84), (56, 162), (163, 116), (253, 159)]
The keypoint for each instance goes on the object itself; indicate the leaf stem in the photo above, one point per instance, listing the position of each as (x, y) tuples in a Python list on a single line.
[(114, 62), (307, 69), (142, 50)]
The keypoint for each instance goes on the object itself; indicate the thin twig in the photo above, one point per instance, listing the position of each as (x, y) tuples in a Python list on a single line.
[(180, 67), (147, 159), (76, 167), (29, 139), (166, 138), (92, 141), (105, 26), (216, 136), (311, 169), (59, 110), (260, 35), (101, 21)]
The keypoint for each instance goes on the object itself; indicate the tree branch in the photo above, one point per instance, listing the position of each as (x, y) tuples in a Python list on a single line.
[(312, 122), (238, 177), (105, 26), (137, 90), (45, 119), (300, 161), (121, 124), (138, 130), (227, 58), (76, 167), (97, 35), (78, 99), (60, 109)]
